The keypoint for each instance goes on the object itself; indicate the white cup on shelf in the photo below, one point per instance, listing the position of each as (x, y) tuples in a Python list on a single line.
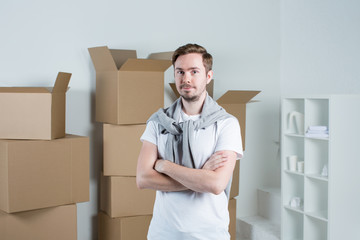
[(300, 166), (292, 161)]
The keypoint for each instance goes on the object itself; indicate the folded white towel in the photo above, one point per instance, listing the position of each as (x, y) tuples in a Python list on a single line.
[(317, 131), (317, 135), (318, 128)]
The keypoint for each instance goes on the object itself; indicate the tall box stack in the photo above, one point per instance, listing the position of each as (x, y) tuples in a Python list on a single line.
[(43, 171), (128, 91), (234, 102)]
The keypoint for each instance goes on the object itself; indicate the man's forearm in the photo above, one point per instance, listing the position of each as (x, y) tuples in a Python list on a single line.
[(198, 180), (213, 177), (158, 181)]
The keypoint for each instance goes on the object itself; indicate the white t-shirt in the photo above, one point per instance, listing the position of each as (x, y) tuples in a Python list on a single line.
[(189, 215)]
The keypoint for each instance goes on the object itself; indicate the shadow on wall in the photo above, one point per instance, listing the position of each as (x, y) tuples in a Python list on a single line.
[(96, 152)]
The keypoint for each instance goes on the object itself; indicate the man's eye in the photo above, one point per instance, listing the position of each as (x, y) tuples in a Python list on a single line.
[(194, 72), (181, 72)]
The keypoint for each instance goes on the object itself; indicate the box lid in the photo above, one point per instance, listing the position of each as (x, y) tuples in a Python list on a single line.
[(161, 56), (237, 96), (61, 86), (105, 59), (148, 65)]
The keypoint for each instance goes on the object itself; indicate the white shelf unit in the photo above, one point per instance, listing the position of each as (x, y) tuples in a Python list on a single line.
[(330, 206)]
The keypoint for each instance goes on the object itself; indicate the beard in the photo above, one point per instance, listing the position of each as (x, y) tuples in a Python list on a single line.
[(189, 98)]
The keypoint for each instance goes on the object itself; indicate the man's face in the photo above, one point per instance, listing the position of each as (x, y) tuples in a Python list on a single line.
[(190, 76)]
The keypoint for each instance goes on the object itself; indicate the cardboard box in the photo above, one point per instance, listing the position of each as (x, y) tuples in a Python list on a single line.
[(120, 197), (234, 191), (234, 102), (128, 90), (121, 149), (37, 174), (125, 228), (232, 213), (57, 223), (34, 112)]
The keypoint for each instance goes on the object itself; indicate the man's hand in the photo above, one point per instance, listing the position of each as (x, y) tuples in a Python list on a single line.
[(216, 161), (159, 165)]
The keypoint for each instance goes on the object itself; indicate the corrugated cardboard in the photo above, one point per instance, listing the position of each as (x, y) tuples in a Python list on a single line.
[(234, 102), (57, 223), (128, 90), (232, 213), (121, 149), (209, 88), (37, 174), (120, 197), (234, 191), (125, 228), (34, 112)]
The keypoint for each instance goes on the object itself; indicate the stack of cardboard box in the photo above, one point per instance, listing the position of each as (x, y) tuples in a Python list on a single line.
[(128, 91), (43, 171)]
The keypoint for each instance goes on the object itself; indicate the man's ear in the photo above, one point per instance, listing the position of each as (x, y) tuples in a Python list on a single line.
[(209, 76)]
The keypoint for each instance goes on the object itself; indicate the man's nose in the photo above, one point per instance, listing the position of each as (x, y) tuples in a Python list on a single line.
[(187, 77)]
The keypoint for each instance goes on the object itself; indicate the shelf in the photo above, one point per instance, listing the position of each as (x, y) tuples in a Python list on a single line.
[(294, 172), (320, 215), (328, 205), (317, 177), (298, 210), (294, 135), (318, 138)]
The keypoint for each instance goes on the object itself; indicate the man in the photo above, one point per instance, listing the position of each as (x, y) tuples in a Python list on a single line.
[(188, 155)]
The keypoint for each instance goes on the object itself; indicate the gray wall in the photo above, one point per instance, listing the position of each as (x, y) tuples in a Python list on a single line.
[(320, 50), (40, 38)]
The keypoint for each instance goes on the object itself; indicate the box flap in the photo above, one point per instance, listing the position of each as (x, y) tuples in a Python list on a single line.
[(173, 87), (161, 56), (120, 56), (148, 65), (237, 96), (102, 59), (62, 82)]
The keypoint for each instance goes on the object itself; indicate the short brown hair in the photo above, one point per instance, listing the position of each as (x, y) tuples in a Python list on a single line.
[(194, 48)]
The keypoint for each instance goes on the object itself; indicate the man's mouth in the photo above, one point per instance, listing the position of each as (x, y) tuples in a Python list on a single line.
[(185, 87)]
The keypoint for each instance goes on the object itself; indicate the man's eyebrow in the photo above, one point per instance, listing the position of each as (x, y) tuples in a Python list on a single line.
[(190, 68)]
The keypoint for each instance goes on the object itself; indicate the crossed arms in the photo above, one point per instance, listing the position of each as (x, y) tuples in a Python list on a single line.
[(163, 175)]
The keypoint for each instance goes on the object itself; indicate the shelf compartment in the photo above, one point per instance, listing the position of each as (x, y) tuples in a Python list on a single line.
[(316, 112), (290, 106), (292, 146), (315, 229), (294, 224), (316, 156), (293, 186), (316, 198)]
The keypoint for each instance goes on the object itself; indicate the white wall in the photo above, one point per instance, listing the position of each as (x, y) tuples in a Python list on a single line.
[(320, 50), (40, 38)]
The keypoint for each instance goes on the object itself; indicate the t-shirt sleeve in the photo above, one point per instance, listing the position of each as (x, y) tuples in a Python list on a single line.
[(150, 133), (229, 136)]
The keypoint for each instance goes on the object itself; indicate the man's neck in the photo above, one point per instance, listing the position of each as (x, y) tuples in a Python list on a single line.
[(195, 107)]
